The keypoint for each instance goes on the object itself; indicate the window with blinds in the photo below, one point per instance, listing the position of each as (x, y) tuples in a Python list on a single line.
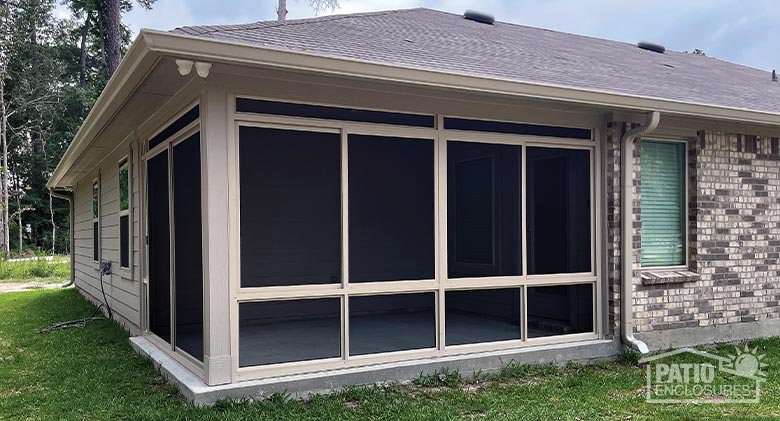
[(663, 203)]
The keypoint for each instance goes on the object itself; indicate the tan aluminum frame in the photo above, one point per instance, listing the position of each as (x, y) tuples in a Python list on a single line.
[(686, 229), (96, 185), (440, 284), (126, 163), (170, 348)]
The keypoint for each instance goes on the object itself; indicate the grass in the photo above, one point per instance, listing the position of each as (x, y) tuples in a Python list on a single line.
[(35, 269), (91, 373)]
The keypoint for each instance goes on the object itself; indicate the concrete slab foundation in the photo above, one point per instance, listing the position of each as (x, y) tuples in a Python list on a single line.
[(708, 335), (303, 385)]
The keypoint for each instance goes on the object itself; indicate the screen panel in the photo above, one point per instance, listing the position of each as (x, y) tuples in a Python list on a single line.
[(188, 246), (560, 310), (159, 246), (559, 210), (391, 209), (273, 332), (484, 315), (484, 216), (387, 323), (290, 208)]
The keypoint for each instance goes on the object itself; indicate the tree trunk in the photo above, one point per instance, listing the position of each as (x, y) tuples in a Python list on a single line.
[(37, 176), (19, 205), (101, 34), (281, 11), (83, 52), (6, 247), (113, 17), (53, 225)]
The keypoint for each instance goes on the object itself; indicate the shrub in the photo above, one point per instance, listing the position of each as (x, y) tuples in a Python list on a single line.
[(443, 378), (38, 267)]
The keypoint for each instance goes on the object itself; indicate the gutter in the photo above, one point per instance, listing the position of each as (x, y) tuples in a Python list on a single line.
[(626, 236), (68, 195), (241, 53), (151, 45)]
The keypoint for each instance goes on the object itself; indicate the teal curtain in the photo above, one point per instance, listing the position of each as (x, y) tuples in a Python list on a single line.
[(663, 203)]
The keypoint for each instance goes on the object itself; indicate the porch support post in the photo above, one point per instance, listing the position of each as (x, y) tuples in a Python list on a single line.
[(214, 161)]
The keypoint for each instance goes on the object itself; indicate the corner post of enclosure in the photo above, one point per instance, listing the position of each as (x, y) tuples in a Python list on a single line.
[(214, 174)]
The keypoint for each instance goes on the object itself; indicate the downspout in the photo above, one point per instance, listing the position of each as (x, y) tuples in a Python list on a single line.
[(68, 195), (626, 218)]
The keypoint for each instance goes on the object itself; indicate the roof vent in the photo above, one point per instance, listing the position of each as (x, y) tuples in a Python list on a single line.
[(658, 48), (480, 17)]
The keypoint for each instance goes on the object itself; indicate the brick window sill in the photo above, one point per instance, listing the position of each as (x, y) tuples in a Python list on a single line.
[(657, 277)]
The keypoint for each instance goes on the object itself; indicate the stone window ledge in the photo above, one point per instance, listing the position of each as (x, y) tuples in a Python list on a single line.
[(656, 277)]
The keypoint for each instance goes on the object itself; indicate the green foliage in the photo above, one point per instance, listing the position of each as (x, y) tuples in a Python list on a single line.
[(92, 373), (54, 69), (442, 378), (629, 356), (58, 267), (513, 370), (697, 52)]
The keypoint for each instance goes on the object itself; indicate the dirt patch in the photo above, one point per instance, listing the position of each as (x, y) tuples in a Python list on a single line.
[(26, 286)]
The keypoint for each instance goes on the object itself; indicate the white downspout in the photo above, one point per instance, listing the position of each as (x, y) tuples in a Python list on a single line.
[(68, 195), (627, 236)]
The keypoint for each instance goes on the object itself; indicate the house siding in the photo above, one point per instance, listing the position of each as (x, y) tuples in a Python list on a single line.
[(734, 251), (122, 287)]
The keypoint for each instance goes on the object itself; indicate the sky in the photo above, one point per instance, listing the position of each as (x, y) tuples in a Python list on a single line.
[(740, 31)]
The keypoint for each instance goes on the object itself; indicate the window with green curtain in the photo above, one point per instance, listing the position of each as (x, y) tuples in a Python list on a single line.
[(663, 203)]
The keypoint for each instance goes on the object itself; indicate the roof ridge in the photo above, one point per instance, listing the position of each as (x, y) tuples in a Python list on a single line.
[(293, 22)]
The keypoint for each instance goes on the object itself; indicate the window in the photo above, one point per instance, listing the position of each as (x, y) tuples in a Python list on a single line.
[(96, 220), (124, 215), (663, 203)]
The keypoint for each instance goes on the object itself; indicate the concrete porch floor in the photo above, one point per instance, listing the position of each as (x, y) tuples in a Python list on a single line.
[(290, 341)]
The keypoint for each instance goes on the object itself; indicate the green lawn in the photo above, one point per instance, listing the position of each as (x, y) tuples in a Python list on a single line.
[(36, 269), (91, 373)]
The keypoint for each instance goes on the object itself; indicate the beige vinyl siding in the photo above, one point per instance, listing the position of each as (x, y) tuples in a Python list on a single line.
[(123, 285)]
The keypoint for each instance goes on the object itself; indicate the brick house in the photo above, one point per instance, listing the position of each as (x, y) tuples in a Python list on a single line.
[(348, 199)]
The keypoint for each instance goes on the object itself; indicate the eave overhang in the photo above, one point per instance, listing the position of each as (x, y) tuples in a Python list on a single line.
[(150, 45)]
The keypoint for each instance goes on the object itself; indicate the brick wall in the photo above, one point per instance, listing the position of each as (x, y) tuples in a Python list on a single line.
[(734, 236)]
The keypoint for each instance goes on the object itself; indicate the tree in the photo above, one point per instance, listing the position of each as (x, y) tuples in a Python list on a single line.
[(696, 52), (113, 28), (51, 72), (317, 5), (113, 11)]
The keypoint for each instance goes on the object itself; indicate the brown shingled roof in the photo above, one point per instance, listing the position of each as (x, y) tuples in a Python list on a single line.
[(439, 41)]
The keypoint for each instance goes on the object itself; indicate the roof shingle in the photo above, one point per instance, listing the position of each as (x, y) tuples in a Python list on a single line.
[(439, 41)]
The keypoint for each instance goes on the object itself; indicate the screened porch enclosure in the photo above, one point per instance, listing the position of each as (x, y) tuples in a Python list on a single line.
[(175, 238), (369, 236)]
